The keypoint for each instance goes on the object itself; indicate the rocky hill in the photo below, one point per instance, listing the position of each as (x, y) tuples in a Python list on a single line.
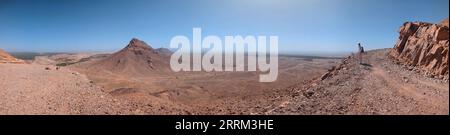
[(423, 47), (7, 58), (444, 22), (164, 51), (136, 59)]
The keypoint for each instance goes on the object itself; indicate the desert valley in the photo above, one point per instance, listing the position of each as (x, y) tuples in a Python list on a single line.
[(410, 78)]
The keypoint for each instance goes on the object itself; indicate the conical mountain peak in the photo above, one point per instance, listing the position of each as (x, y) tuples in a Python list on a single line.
[(136, 43)]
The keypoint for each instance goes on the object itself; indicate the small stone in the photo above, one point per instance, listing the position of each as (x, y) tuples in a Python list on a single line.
[(325, 76), (308, 93)]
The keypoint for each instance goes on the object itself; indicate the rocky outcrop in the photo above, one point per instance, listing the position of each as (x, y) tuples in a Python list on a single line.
[(423, 46), (7, 58)]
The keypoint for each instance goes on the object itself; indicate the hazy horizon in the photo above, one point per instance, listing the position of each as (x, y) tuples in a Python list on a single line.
[(293, 53), (328, 26)]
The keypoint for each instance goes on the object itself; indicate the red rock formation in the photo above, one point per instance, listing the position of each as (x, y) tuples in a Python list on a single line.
[(424, 46)]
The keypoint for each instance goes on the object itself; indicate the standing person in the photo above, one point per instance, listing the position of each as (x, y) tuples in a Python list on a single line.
[(360, 52)]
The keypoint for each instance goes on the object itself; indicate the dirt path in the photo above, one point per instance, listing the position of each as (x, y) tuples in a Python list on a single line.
[(429, 95)]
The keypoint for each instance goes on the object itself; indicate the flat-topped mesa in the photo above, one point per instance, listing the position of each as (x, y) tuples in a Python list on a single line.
[(424, 46), (444, 22)]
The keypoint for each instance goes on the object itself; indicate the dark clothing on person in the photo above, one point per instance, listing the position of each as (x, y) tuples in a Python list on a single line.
[(360, 53)]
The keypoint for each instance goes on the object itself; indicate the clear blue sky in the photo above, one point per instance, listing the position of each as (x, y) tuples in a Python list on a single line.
[(302, 25)]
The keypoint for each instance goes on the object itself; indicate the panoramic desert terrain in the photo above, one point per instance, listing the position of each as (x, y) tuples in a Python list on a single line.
[(89, 87), (410, 78)]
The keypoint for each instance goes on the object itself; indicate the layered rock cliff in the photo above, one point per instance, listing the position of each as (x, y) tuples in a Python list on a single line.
[(423, 46)]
